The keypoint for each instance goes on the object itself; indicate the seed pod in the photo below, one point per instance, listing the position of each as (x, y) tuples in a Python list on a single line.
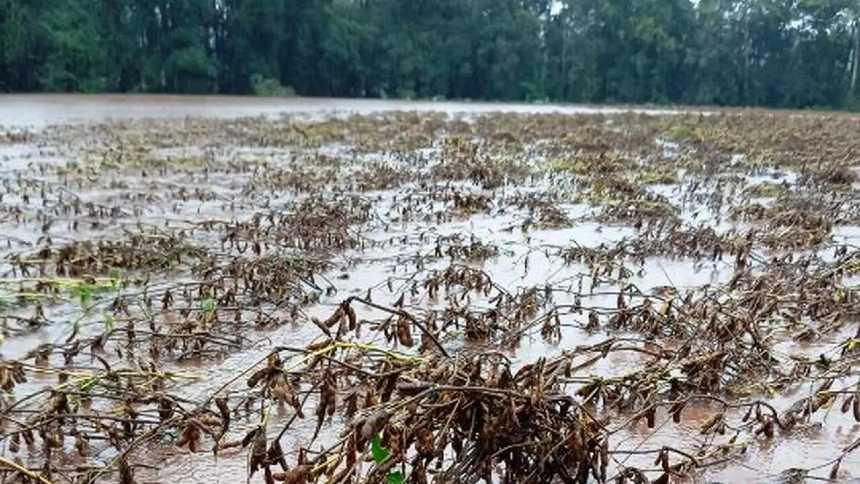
[(230, 444), (768, 428), (82, 445), (424, 442), (126, 473), (325, 405), (404, 332), (6, 382), (834, 471), (190, 436), (599, 468), (676, 411), (15, 443), (165, 408), (18, 374), (353, 319), (604, 459), (593, 322), (712, 422), (258, 451), (257, 377), (224, 410), (27, 434), (248, 438), (313, 347), (334, 318), (748, 414), (298, 475), (457, 446), (846, 404), (651, 416)]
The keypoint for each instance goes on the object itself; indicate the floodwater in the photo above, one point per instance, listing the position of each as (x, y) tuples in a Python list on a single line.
[(398, 247), (39, 110)]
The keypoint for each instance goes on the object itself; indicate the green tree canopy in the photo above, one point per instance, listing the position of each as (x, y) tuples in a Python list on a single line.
[(791, 53)]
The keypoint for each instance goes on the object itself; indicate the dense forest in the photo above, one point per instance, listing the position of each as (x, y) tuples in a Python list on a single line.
[(798, 53)]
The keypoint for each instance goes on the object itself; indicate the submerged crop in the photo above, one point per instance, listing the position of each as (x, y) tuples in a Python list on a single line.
[(432, 298)]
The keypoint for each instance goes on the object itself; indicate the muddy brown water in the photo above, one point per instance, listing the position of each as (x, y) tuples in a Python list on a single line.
[(39, 110), (359, 270)]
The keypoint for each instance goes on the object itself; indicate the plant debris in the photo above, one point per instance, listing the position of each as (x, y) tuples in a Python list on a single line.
[(429, 298)]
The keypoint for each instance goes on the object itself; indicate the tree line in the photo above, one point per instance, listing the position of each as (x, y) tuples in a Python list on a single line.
[(783, 53)]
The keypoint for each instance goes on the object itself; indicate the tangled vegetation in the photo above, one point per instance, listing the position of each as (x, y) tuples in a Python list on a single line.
[(400, 298)]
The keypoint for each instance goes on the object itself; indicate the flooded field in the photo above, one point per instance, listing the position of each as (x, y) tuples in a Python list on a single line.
[(419, 294), (40, 110)]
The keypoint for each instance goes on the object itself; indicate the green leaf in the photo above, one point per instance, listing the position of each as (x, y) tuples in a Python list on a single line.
[(85, 293), (396, 478), (116, 274), (110, 322), (208, 305), (380, 453)]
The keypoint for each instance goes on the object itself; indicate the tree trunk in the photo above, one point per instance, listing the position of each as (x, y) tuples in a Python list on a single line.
[(856, 60), (564, 74)]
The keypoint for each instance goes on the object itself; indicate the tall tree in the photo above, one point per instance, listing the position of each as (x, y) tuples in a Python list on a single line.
[(758, 52)]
